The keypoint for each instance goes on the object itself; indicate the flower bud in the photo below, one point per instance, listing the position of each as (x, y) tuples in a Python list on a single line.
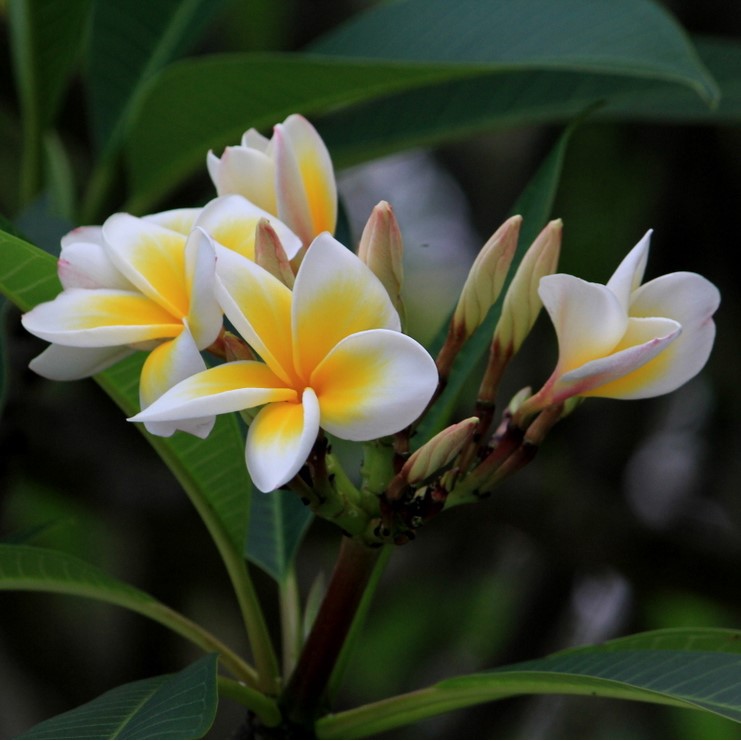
[(381, 248), (486, 277), (438, 453), (522, 302), (269, 253)]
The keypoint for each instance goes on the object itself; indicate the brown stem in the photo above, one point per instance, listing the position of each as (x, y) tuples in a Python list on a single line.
[(306, 688)]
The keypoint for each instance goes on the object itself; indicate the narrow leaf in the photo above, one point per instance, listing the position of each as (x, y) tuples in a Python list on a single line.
[(130, 42), (181, 705), (701, 670), (278, 523)]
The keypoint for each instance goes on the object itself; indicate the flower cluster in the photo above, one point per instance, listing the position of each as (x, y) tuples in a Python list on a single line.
[(320, 345)]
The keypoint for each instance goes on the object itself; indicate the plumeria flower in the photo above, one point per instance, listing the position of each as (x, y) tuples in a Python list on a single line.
[(130, 285), (625, 340), (290, 176), (332, 358)]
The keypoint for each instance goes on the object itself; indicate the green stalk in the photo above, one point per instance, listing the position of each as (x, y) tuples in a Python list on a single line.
[(306, 688), (264, 707), (290, 620)]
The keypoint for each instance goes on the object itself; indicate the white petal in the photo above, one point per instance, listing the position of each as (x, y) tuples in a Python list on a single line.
[(230, 387), (63, 363), (204, 314), (588, 319), (180, 220), (231, 220), (373, 384), (280, 439), (629, 273), (88, 234), (87, 265), (335, 295), (248, 172)]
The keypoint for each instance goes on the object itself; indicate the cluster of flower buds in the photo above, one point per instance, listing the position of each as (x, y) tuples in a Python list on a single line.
[(319, 347)]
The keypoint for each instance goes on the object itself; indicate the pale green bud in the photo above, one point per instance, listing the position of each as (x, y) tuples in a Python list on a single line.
[(269, 253), (486, 278), (522, 302), (438, 453), (381, 248)]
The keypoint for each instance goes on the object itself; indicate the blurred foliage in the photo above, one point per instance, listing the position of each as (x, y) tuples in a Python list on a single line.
[(629, 519)]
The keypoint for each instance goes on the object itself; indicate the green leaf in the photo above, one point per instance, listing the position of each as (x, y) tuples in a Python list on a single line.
[(130, 42), (28, 275), (181, 705), (686, 668), (45, 40), (278, 523), (262, 89), (534, 204), (634, 37)]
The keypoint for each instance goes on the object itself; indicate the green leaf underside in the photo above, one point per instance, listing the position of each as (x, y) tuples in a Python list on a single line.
[(278, 523), (130, 42), (593, 38), (181, 705), (688, 668), (211, 469)]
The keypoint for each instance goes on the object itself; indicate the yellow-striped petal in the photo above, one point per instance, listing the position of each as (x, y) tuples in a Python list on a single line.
[(280, 439), (373, 384), (151, 257), (179, 220), (204, 312), (230, 387), (100, 318), (246, 170), (305, 183), (259, 306), (231, 220), (335, 295)]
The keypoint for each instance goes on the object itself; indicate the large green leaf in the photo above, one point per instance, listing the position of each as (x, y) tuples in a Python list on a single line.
[(278, 522), (686, 668), (28, 568), (130, 42), (592, 38), (181, 705)]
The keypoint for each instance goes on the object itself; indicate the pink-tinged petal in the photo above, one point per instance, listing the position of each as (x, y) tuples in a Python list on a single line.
[(87, 234), (373, 384), (246, 171), (63, 363), (334, 296), (87, 265), (305, 184), (99, 318), (231, 220), (230, 387), (179, 220), (587, 317), (629, 273), (259, 306), (280, 439), (204, 316), (631, 371), (151, 257)]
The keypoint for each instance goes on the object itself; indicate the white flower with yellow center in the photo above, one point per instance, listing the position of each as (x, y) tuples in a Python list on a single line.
[(290, 176), (333, 358), (625, 340)]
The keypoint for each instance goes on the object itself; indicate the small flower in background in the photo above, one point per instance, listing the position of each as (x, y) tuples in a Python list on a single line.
[(625, 340), (290, 176), (130, 285), (332, 358)]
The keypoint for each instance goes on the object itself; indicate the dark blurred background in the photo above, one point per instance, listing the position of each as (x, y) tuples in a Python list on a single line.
[(628, 520)]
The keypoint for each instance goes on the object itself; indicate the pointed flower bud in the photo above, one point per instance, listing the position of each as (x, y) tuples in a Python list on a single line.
[(522, 303), (438, 453), (381, 249), (486, 277), (269, 253)]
